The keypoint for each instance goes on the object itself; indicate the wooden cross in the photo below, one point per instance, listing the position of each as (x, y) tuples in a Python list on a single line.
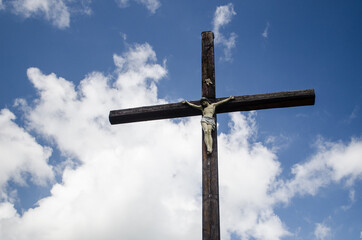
[(210, 186)]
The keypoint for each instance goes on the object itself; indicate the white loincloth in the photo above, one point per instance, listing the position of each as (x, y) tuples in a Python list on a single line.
[(209, 121)]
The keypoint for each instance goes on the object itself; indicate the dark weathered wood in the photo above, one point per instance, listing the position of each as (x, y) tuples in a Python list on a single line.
[(241, 103), (208, 65), (269, 100), (210, 179)]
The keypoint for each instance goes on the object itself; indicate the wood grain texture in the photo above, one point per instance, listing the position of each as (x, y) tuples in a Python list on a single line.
[(208, 65), (210, 179), (241, 103)]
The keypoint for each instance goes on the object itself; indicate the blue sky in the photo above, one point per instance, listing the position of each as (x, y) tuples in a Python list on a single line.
[(65, 173)]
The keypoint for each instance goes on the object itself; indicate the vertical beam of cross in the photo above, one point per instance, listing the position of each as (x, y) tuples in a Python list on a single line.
[(210, 181)]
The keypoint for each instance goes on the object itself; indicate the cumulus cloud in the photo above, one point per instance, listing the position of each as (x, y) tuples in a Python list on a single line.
[(148, 175), (7, 211), (222, 17), (248, 167), (151, 5), (119, 187), (2, 5), (21, 156)]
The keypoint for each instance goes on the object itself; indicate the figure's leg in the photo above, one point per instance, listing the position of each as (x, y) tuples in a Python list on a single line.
[(207, 136), (204, 128)]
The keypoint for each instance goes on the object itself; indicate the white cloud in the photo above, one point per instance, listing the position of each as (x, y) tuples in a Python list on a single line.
[(321, 231), (222, 17), (20, 155), (131, 177), (7, 211), (148, 175), (247, 170), (332, 163), (54, 11), (58, 12), (265, 33), (151, 5)]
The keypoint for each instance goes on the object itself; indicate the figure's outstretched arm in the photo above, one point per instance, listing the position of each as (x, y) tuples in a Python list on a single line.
[(224, 101), (192, 105)]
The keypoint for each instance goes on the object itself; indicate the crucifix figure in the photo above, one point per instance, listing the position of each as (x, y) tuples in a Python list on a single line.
[(208, 121), (209, 108)]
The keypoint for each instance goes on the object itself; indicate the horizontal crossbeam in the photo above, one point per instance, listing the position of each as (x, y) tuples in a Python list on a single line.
[(240, 103)]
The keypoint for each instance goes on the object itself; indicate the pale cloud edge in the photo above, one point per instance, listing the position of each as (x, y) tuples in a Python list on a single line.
[(151, 5), (121, 166), (322, 231), (21, 155), (54, 11), (222, 16), (58, 12), (265, 33)]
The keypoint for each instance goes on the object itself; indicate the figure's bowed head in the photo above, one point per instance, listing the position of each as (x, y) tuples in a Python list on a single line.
[(205, 102)]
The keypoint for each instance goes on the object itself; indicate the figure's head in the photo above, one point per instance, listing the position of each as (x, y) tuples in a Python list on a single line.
[(204, 102)]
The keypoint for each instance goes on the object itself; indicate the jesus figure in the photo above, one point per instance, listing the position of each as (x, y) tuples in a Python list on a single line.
[(208, 120)]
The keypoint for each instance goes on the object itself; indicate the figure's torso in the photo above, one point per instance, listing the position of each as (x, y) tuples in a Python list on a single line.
[(209, 111)]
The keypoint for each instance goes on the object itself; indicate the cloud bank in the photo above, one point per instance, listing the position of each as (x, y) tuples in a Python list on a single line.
[(146, 175)]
